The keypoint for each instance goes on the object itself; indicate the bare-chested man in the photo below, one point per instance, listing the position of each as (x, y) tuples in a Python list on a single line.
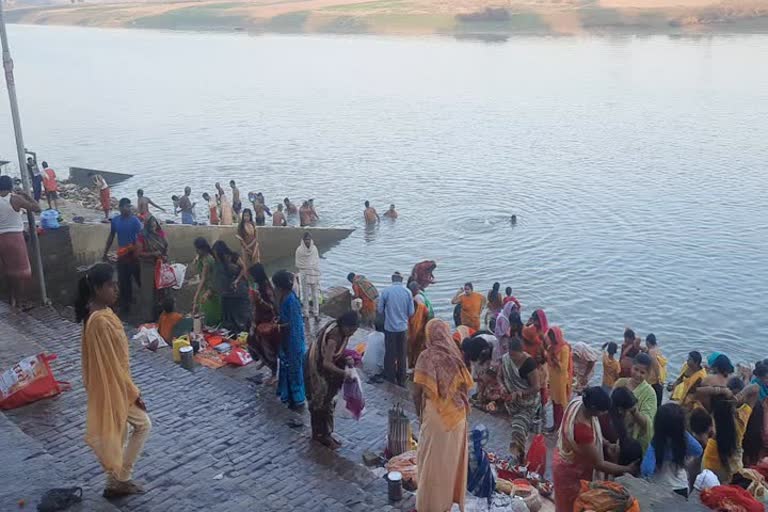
[(305, 214), (391, 213), (313, 216), (142, 205), (370, 214), (237, 204), (290, 208), (278, 219)]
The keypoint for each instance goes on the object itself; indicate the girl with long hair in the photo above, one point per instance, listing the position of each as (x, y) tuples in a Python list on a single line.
[(114, 401), (664, 461), (247, 235)]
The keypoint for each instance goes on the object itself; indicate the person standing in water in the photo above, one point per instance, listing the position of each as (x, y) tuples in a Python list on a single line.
[(278, 219), (313, 216), (142, 205), (308, 265), (213, 209), (290, 208), (187, 207), (114, 401), (391, 213), (305, 214), (237, 204), (472, 304), (370, 214)]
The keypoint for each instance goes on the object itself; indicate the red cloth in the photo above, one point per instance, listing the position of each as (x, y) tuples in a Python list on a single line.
[(104, 196), (582, 434), (730, 498), (14, 261), (557, 419)]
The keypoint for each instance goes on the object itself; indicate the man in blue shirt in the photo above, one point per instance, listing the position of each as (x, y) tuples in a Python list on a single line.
[(126, 227), (396, 304)]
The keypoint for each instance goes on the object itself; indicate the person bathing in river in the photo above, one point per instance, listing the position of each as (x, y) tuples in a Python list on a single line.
[(278, 219), (472, 304), (305, 214), (260, 210), (313, 216), (370, 214), (187, 207), (290, 208), (142, 205), (391, 213), (237, 204)]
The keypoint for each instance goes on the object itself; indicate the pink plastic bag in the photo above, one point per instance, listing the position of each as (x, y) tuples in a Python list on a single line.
[(353, 396), (165, 277)]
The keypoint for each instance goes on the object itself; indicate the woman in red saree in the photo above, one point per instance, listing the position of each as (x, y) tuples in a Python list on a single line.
[(579, 451), (264, 337), (423, 273)]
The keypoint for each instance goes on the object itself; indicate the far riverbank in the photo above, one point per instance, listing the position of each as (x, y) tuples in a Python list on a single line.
[(481, 20)]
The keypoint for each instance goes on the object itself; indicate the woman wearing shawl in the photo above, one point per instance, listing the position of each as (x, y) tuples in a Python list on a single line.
[(440, 394), (325, 371), (290, 387), (263, 338), (480, 482), (522, 400), (502, 327), (417, 327), (560, 366), (247, 235), (423, 275), (642, 415), (206, 300), (114, 401), (579, 451), (152, 250), (308, 265), (534, 333), (684, 388), (364, 290)]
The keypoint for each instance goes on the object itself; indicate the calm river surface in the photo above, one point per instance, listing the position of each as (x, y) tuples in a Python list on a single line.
[(637, 167)]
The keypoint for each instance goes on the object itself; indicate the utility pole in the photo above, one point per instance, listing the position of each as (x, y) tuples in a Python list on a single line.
[(9, 80)]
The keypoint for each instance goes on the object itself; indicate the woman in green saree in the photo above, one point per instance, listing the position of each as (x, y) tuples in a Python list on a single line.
[(206, 299)]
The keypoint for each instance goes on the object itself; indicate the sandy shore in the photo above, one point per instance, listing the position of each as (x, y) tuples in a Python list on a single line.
[(416, 17)]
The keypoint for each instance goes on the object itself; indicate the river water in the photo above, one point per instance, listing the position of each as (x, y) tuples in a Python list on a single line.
[(636, 166)]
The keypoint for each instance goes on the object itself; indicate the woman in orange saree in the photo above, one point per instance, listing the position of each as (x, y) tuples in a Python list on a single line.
[(560, 365), (417, 325), (442, 384)]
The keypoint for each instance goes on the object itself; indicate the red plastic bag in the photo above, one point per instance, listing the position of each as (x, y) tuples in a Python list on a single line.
[(353, 396), (536, 458), (29, 380), (165, 277), (238, 357)]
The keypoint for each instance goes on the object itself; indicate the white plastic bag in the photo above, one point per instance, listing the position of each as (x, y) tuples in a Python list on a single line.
[(179, 271), (150, 338)]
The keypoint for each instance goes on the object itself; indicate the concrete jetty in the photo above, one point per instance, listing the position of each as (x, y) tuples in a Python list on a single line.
[(74, 246)]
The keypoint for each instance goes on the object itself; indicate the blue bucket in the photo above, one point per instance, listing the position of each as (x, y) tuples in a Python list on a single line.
[(49, 219)]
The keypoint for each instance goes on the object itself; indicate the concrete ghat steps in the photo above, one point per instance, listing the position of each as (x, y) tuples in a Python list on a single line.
[(205, 424)]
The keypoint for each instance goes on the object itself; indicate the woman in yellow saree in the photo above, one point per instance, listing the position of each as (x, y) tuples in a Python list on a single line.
[(684, 388), (114, 401)]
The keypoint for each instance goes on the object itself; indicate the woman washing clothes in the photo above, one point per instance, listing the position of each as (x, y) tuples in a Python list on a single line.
[(440, 393), (325, 370), (264, 338), (579, 451)]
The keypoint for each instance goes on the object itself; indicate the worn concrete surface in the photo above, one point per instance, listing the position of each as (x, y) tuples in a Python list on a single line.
[(208, 423)]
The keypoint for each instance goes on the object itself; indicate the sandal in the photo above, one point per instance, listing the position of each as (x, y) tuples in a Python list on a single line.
[(60, 499)]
